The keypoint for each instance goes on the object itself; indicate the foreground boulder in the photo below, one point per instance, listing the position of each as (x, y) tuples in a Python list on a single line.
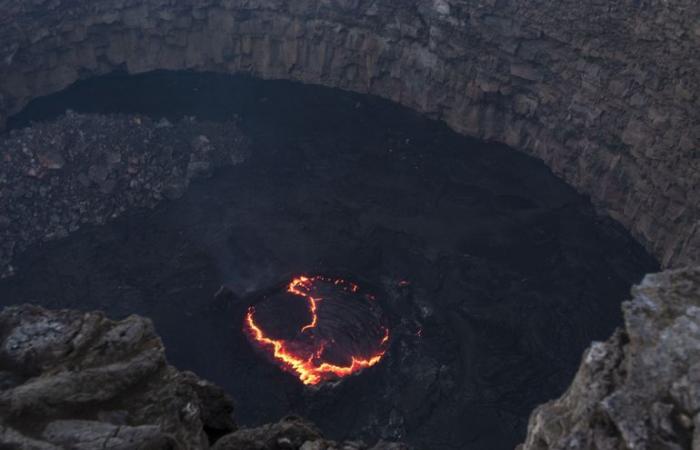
[(291, 433), (81, 381), (641, 388)]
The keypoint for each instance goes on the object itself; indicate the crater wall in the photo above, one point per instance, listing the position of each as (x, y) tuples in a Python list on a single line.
[(604, 92)]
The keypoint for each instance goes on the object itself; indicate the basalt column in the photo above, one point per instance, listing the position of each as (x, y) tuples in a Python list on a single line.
[(605, 93)]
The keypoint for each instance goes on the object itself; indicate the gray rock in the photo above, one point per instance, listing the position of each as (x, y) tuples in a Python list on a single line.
[(201, 143), (199, 169), (13, 439), (89, 435), (291, 432), (164, 123), (98, 173), (174, 189), (52, 160), (60, 367), (641, 388)]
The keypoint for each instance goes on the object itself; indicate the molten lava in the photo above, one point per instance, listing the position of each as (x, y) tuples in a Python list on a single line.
[(307, 361)]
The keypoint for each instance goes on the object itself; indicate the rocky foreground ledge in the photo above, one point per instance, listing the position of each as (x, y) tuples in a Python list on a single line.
[(81, 381), (641, 388)]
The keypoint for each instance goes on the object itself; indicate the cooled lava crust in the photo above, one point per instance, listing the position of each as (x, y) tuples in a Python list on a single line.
[(319, 328)]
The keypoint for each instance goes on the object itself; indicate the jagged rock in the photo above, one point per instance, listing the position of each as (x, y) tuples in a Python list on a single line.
[(289, 433), (292, 433), (198, 169), (639, 390), (52, 159), (164, 123), (83, 381), (89, 434)]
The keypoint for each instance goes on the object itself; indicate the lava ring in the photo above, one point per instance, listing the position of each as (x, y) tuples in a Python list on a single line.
[(319, 328)]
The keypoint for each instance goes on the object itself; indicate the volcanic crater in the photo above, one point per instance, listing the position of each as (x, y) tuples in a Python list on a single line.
[(358, 264)]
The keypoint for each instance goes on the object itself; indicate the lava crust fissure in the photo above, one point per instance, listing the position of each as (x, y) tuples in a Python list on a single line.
[(342, 336)]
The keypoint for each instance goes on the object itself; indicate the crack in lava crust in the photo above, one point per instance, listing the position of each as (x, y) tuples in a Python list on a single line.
[(305, 354)]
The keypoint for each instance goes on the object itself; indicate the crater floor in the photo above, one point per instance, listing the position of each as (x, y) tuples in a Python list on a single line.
[(493, 274)]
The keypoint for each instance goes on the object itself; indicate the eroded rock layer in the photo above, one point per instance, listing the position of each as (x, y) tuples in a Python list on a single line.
[(604, 92)]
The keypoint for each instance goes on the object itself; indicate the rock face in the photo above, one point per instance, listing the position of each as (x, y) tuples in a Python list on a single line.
[(86, 169), (606, 93), (641, 388), (291, 433), (81, 381)]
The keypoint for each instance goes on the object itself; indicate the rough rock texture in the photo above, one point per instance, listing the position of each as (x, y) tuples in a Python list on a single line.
[(605, 92), (641, 388), (87, 169), (81, 381), (291, 433)]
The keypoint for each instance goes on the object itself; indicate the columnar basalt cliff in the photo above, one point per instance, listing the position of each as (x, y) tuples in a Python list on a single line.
[(604, 92)]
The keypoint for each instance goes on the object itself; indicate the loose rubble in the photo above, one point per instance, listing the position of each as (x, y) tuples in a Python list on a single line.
[(87, 169), (81, 381)]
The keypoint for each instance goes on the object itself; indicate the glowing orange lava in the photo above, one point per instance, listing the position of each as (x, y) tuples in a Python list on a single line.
[(310, 367)]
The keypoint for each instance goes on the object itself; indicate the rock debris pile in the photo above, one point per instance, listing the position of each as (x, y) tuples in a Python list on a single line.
[(87, 169)]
